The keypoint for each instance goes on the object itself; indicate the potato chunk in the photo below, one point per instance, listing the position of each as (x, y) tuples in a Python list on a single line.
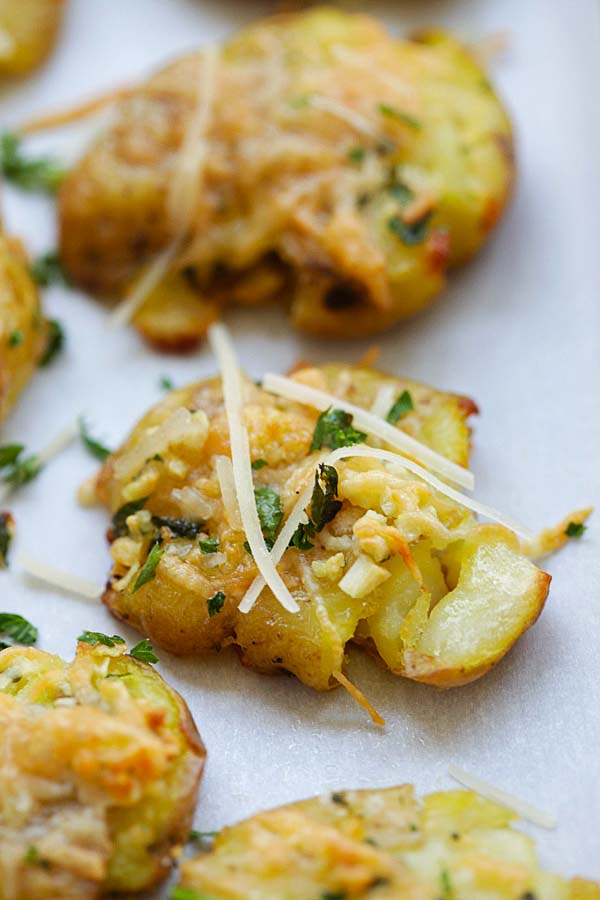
[(100, 769), (28, 30), (379, 843), (345, 171)]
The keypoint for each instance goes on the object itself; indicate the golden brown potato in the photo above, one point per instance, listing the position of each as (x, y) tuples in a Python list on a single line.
[(380, 844), (344, 172), (100, 769), (23, 330), (397, 567), (28, 30)]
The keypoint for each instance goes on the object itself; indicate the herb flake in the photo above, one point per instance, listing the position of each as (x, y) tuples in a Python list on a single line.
[(259, 464), (19, 629), (55, 342), (15, 338), (47, 270), (400, 408), (185, 528), (412, 234), (575, 529), (94, 638), (41, 174), (119, 520), (96, 449), (323, 507), (334, 429), (215, 603), (210, 545), (144, 651), (270, 513), (148, 570), (7, 530), (390, 112)]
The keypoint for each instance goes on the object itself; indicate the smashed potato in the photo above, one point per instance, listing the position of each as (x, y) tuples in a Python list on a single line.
[(99, 765), (392, 564), (344, 172), (28, 30), (382, 844), (23, 330)]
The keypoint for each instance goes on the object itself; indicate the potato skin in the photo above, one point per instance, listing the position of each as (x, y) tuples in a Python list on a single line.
[(29, 29), (380, 843), (23, 330), (109, 761), (348, 208)]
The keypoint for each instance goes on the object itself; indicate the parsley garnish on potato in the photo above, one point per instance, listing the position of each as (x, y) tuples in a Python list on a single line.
[(185, 528), (144, 651), (97, 450), (19, 629), (401, 406), (575, 529), (18, 469), (210, 545), (215, 603), (93, 638), (323, 507), (412, 234), (390, 112), (148, 570), (47, 270), (334, 429), (270, 513), (56, 342), (41, 174), (15, 338), (119, 519)]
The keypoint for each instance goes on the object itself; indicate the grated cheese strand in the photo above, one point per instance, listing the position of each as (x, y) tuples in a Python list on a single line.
[(183, 192), (360, 698), (524, 810), (81, 587), (298, 512), (224, 470), (52, 449), (356, 121), (222, 347), (378, 427)]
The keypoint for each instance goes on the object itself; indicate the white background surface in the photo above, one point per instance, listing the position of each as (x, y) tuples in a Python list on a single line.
[(518, 330)]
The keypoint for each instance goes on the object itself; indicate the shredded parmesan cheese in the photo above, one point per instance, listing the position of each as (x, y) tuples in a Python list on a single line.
[(294, 390), (52, 449), (226, 480), (524, 810), (184, 190), (345, 114), (81, 587), (383, 401), (242, 467), (359, 697)]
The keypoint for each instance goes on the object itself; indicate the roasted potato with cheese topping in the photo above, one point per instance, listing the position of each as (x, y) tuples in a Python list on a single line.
[(28, 30), (388, 561), (23, 330), (380, 844), (99, 766), (316, 162)]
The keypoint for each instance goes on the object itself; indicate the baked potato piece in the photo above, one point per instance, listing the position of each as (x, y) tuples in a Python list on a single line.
[(382, 844), (344, 172), (23, 330), (101, 763), (392, 564), (28, 30)]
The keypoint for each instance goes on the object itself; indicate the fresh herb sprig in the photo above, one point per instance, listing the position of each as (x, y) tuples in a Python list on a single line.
[(47, 270), (54, 343), (41, 174), (144, 651), (334, 429), (19, 629), (93, 446), (400, 408), (148, 571), (7, 530), (323, 507), (270, 513), (16, 468)]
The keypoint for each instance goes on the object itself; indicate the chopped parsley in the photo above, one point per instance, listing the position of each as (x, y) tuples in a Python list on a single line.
[(15, 338), (215, 603), (202, 835), (41, 174), (47, 270), (183, 893), (22, 470), (32, 858), (357, 155), (7, 530), (144, 652), (575, 529), (93, 638), (390, 112), (210, 545), (9, 454), (446, 885), (334, 429), (148, 570), (119, 520), (401, 406), (323, 507), (401, 192), (412, 234), (270, 513), (55, 343), (185, 528), (259, 464), (165, 383), (339, 798), (19, 629), (97, 450)]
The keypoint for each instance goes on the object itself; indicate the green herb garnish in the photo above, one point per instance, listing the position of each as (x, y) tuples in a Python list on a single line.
[(259, 464), (93, 638), (357, 155), (97, 450), (42, 174), (186, 528), (215, 603), (412, 234), (9, 453), (323, 507), (390, 112), (270, 513), (7, 530), (334, 429), (401, 192), (56, 342), (165, 383), (183, 893), (575, 529), (148, 570), (119, 520), (33, 858), (446, 885), (401, 406), (210, 545), (19, 629), (23, 470), (15, 338), (47, 270), (202, 835), (144, 652)]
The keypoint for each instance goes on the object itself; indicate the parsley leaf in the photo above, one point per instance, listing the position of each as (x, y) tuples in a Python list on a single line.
[(323, 507), (202, 835), (300, 538), (15, 338), (93, 638), (181, 527), (183, 893), (401, 406), (215, 603), (165, 383), (9, 454), (42, 174), (47, 269), (357, 155), (575, 529), (56, 341), (7, 530), (144, 652), (210, 545), (23, 470), (18, 628), (334, 429), (412, 234), (259, 464), (390, 112), (97, 450), (270, 513), (148, 570), (119, 520)]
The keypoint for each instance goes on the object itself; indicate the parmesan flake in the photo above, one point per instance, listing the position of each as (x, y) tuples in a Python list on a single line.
[(65, 581), (524, 810)]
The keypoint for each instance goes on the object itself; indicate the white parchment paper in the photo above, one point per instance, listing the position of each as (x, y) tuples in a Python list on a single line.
[(519, 330)]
